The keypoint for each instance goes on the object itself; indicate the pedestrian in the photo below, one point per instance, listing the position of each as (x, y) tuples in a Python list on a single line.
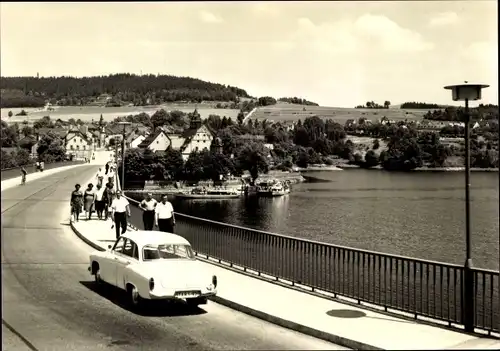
[(88, 200), (148, 205), (111, 176), (120, 211), (42, 166), (99, 201), (37, 164), (164, 215), (23, 175), (100, 177), (107, 168), (108, 196), (76, 202)]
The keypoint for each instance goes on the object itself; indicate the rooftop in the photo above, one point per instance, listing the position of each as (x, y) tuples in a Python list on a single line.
[(145, 237)]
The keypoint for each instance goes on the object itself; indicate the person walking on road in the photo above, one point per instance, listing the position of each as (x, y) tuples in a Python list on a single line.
[(148, 205), (100, 177), (120, 211), (37, 164), (23, 175), (89, 200), (164, 215), (76, 202), (106, 168), (42, 166), (99, 202), (108, 196)]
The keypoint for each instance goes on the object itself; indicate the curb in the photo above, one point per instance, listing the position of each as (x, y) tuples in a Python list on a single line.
[(355, 345), (84, 239)]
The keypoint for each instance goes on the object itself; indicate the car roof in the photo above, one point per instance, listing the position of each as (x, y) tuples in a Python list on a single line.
[(153, 237)]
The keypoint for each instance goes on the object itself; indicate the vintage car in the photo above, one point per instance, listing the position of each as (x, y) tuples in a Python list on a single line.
[(152, 265)]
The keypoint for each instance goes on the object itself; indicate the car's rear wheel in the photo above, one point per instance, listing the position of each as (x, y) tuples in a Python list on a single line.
[(135, 300)]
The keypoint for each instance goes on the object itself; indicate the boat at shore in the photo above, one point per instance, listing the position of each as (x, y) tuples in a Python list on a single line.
[(210, 194), (272, 188)]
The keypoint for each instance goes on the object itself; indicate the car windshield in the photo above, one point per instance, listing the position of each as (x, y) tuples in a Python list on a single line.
[(167, 251)]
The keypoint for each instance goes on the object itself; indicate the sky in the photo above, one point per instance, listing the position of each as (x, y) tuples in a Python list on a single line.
[(337, 54)]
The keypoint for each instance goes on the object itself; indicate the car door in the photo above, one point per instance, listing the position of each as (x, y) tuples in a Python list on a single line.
[(128, 256), (108, 273)]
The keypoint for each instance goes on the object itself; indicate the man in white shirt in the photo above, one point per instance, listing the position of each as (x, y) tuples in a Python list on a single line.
[(148, 205), (120, 210), (99, 201), (164, 215), (100, 177)]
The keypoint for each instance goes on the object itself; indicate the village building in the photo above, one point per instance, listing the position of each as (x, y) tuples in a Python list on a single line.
[(197, 137)]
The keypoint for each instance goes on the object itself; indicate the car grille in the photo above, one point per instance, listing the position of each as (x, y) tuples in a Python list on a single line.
[(187, 294)]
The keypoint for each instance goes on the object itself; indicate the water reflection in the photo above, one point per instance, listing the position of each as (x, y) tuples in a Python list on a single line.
[(411, 214)]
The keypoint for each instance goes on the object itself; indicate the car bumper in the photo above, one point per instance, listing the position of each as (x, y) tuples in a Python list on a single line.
[(172, 296)]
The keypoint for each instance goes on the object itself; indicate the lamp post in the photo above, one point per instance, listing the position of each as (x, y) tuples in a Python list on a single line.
[(122, 185), (467, 92)]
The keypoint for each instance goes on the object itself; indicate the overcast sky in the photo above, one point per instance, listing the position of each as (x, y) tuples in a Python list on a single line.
[(334, 53)]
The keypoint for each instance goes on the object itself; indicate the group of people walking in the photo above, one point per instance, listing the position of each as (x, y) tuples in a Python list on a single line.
[(91, 200), (108, 203)]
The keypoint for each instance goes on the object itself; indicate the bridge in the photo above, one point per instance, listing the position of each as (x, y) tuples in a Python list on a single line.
[(350, 298)]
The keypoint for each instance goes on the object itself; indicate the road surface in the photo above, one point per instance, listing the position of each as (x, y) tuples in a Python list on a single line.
[(16, 172), (49, 302)]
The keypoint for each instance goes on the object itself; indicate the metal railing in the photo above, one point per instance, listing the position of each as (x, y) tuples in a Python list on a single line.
[(421, 288)]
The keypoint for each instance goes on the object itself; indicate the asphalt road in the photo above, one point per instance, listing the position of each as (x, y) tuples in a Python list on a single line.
[(16, 172), (50, 302)]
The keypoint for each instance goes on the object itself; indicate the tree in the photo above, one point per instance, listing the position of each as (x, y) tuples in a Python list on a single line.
[(173, 163), (44, 122), (387, 104), (51, 148), (159, 118), (241, 117), (251, 157), (123, 88), (194, 169), (217, 165), (27, 131), (371, 159), (9, 135)]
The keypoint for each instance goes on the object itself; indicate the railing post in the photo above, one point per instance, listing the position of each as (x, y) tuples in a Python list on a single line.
[(468, 298)]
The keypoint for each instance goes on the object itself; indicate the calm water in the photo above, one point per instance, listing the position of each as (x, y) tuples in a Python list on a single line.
[(419, 214), (88, 113)]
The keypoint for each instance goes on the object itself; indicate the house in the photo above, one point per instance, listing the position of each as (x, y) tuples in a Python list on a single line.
[(157, 141), (136, 141), (115, 131), (197, 137), (78, 144)]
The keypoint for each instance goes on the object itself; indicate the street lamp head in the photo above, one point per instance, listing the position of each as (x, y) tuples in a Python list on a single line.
[(466, 91)]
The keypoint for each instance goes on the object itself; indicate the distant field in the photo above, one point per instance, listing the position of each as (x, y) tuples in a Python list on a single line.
[(290, 112), (88, 113)]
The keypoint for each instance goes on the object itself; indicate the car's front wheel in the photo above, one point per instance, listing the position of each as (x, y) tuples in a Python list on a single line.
[(135, 300)]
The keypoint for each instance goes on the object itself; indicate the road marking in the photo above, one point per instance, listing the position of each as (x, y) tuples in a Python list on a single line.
[(19, 335)]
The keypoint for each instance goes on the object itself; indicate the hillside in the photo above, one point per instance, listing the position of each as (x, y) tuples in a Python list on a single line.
[(120, 88), (293, 112)]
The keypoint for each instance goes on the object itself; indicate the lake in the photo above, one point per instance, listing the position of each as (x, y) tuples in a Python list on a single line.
[(411, 214), (89, 113)]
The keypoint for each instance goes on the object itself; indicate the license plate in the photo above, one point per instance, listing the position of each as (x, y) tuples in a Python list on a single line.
[(187, 294)]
